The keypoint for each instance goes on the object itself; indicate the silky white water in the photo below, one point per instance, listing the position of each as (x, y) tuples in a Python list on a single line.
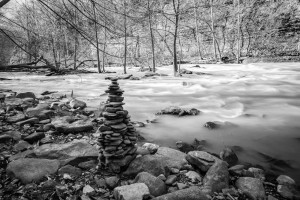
[(261, 100)]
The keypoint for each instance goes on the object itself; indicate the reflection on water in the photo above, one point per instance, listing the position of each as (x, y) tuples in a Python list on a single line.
[(262, 100)]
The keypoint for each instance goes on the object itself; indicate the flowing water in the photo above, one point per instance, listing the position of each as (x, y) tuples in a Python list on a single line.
[(261, 100)]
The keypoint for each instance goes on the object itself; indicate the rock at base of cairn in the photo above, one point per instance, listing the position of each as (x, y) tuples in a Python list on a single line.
[(118, 135)]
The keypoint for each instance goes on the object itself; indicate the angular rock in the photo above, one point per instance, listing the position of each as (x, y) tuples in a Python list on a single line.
[(88, 190), (252, 187), (171, 179), (136, 191), (172, 157), (112, 182), (34, 137), (152, 148), (257, 173), (35, 112), (147, 163), (193, 176), (88, 164), (16, 118), (71, 170), (32, 170), (30, 121), (25, 95), (217, 177), (77, 151), (67, 125), (229, 156), (201, 159), (156, 186), (192, 193), (21, 146), (15, 135), (182, 186), (75, 103)]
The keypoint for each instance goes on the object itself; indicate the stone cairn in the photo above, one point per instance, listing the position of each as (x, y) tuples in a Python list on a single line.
[(117, 134)]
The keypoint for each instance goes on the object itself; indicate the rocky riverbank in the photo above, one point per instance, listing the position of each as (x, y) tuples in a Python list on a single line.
[(49, 150)]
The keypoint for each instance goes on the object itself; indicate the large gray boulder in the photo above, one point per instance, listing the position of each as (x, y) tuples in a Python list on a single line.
[(173, 158), (69, 124), (16, 118), (192, 193), (156, 186), (217, 177), (201, 159), (36, 111), (75, 151), (147, 163), (252, 187), (136, 191), (32, 170)]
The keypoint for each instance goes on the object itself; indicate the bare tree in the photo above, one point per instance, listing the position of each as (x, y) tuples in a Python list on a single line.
[(151, 35), (3, 2)]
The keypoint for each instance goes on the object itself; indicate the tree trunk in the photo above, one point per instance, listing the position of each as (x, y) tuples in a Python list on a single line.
[(238, 34), (152, 38), (96, 36), (197, 31), (125, 39), (75, 37), (176, 11), (213, 28)]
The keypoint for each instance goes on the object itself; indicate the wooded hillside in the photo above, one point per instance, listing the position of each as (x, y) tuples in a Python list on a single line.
[(74, 33)]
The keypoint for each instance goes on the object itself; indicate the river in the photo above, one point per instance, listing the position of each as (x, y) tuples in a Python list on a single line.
[(261, 100)]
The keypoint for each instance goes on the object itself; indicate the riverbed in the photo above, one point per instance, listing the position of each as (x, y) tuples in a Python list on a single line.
[(261, 101)]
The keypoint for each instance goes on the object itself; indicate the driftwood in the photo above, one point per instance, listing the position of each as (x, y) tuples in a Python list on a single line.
[(31, 65)]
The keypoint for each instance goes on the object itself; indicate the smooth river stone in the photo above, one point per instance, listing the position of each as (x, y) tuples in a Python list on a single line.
[(107, 132), (110, 148), (115, 143), (116, 138), (115, 104), (116, 134), (113, 122), (103, 128), (119, 126), (113, 110)]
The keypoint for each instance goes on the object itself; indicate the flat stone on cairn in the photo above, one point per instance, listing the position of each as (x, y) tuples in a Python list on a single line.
[(118, 135)]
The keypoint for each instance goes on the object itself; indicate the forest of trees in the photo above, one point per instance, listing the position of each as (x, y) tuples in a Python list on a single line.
[(75, 33)]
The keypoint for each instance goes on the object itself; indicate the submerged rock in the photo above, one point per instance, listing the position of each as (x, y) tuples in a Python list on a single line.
[(32, 170), (175, 110), (25, 95), (229, 156)]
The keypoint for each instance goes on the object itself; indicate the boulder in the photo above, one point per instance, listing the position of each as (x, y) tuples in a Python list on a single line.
[(229, 156), (152, 148), (286, 186), (147, 163), (217, 177), (24, 95), (71, 170), (171, 179), (285, 191), (16, 118), (193, 176), (201, 159), (285, 180), (112, 182), (15, 135), (21, 146), (175, 110), (36, 111), (136, 191), (172, 157), (34, 137), (156, 186), (76, 151), (257, 173), (77, 104), (252, 187), (192, 193), (68, 124), (32, 170)]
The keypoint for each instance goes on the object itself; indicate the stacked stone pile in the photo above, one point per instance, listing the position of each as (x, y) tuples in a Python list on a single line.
[(118, 135)]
